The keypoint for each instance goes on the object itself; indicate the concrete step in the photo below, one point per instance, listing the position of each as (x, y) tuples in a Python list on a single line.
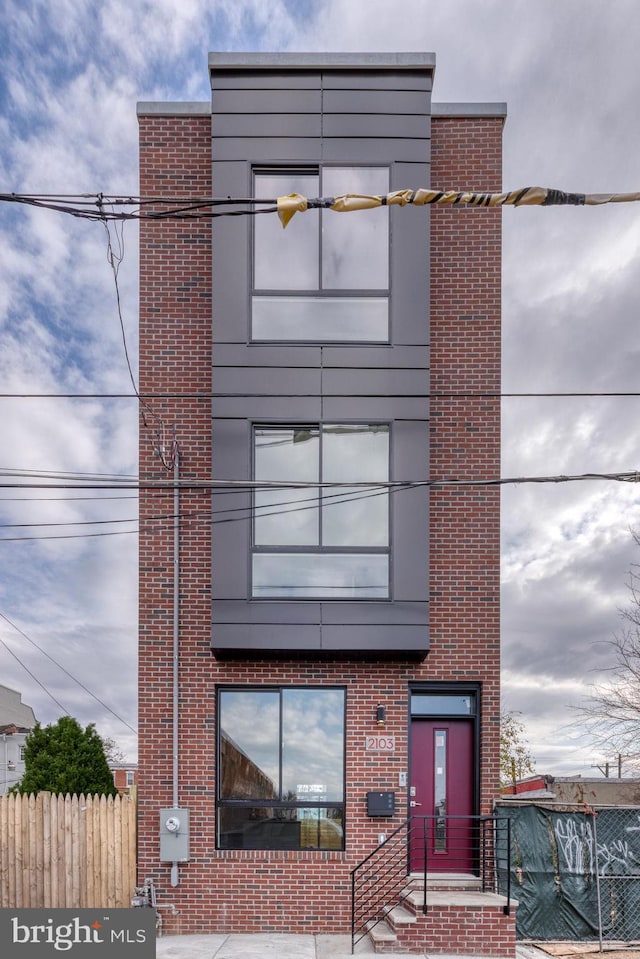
[(445, 880), (458, 920), (397, 917), (469, 898), (382, 938)]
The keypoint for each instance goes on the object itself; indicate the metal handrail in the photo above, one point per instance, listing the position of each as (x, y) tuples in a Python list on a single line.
[(379, 880)]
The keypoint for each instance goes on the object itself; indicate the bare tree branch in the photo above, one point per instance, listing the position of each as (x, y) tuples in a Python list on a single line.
[(611, 714)]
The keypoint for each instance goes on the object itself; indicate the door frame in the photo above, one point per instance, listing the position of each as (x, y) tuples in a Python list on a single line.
[(435, 689)]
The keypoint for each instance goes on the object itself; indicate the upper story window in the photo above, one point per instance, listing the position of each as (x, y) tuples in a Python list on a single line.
[(330, 542), (326, 277)]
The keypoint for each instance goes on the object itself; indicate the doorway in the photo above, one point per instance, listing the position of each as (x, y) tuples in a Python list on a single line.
[(443, 783)]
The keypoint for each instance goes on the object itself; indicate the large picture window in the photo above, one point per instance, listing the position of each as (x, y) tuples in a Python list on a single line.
[(281, 768), (331, 541), (326, 277)]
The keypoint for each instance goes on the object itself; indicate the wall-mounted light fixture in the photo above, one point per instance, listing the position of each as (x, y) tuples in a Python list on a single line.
[(381, 715)]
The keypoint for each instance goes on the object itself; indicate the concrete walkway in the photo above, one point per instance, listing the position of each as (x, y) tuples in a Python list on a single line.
[(283, 946)]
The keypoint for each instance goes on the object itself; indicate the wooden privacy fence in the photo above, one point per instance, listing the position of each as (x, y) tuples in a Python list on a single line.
[(67, 851)]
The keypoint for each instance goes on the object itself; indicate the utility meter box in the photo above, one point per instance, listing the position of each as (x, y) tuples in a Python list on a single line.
[(174, 835), (381, 803)]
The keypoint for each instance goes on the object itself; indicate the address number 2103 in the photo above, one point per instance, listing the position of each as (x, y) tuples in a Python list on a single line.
[(380, 743)]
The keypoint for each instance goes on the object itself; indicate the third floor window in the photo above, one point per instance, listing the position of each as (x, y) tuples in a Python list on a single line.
[(326, 277)]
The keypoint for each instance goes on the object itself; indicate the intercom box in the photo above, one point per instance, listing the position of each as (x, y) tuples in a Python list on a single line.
[(381, 803)]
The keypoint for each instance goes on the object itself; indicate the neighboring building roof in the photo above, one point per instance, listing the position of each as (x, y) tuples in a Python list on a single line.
[(574, 790), (13, 711)]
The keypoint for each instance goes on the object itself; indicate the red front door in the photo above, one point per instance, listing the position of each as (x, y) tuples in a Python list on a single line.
[(442, 760)]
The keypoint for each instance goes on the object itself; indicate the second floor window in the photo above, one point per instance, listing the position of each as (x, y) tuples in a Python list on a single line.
[(321, 541), (326, 277)]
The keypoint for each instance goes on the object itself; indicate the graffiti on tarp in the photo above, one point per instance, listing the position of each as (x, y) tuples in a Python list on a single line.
[(574, 841)]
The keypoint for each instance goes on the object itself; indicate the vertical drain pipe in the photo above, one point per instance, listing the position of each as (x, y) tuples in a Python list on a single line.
[(176, 631)]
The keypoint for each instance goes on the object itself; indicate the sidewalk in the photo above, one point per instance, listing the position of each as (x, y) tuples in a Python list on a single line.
[(283, 946)]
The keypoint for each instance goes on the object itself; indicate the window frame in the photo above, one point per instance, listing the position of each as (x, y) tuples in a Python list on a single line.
[(321, 293), (319, 548), (222, 803)]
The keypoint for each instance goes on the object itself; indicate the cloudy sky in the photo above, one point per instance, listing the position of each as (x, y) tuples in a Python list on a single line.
[(71, 73)]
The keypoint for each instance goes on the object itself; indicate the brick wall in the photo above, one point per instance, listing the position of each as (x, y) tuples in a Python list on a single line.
[(465, 422), (251, 891)]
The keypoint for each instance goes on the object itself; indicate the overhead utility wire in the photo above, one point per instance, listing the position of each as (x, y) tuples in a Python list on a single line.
[(344, 490), (434, 395), (67, 673), (35, 678), (200, 518), (106, 208), (627, 476), (333, 499)]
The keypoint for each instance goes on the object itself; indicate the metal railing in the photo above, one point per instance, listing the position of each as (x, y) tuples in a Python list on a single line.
[(424, 847)]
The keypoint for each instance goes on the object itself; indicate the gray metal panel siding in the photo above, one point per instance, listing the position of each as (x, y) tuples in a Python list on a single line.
[(289, 100), (369, 150), (280, 636), (257, 408), (253, 125), (395, 80), (410, 261), (257, 381), (362, 613), (231, 460), (275, 357), (232, 611), (284, 638), (248, 80), (375, 357), (376, 125), (375, 638), (230, 240), (409, 512), (336, 408), (267, 149), (388, 382), (416, 103), (365, 116)]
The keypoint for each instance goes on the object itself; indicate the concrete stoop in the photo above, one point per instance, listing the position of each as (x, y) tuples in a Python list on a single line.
[(460, 920)]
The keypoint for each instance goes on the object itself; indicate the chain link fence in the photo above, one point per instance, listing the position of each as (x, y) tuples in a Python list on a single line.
[(575, 872), (616, 839)]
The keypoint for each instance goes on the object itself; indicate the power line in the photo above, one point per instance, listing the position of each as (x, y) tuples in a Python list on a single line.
[(66, 672), (435, 394), (34, 678), (107, 208), (231, 485), (352, 493)]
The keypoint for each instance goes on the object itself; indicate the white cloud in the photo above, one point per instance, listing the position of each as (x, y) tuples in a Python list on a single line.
[(71, 76)]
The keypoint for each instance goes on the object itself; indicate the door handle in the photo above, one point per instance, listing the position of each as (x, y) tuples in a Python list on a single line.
[(414, 803)]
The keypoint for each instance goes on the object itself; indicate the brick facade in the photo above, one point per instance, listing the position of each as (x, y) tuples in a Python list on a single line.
[(287, 891)]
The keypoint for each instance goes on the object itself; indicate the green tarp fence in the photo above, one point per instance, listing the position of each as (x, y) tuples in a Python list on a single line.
[(561, 895)]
